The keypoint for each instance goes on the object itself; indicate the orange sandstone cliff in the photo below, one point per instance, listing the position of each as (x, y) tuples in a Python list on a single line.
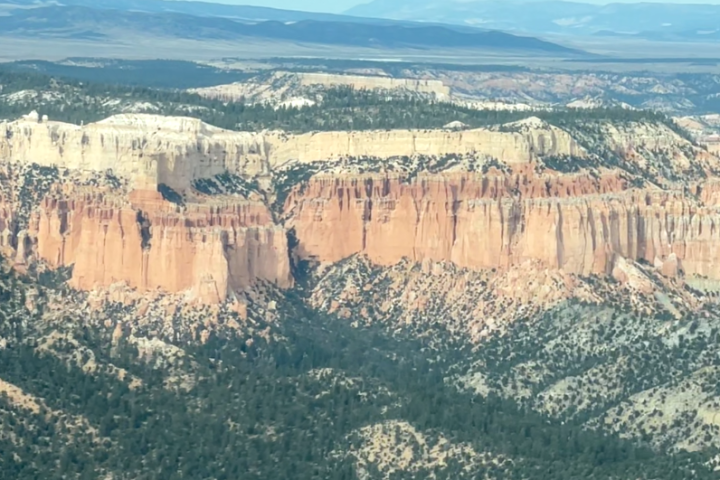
[(526, 194), (206, 250), (574, 223)]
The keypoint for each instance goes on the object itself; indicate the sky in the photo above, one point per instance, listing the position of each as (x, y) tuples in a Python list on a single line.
[(329, 6), (338, 6)]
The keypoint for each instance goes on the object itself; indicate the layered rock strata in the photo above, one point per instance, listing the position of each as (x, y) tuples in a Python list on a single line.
[(519, 147), (208, 250), (151, 150), (575, 223), (146, 149), (511, 210)]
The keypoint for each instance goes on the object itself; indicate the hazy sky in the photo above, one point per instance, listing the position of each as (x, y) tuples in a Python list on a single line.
[(330, 6), (337, 6)]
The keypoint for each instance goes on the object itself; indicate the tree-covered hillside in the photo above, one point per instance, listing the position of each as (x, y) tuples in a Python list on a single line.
[(340, 108), (306, 397)]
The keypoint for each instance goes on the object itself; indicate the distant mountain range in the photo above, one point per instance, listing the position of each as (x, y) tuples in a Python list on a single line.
[(98, 20), (95, 23), (653, 21), (200, 9)]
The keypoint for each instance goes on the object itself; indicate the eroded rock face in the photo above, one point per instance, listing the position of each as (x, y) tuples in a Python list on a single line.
[(574, 223), (509, 147), (367, 82), (208, 248), (525, 194), (148, 150), (151, 150), (207, 251)]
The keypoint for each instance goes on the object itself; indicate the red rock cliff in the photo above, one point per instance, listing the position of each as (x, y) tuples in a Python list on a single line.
[(573, 222), (150, 244)]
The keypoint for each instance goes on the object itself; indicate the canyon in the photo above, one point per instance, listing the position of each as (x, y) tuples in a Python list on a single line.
[(567, 266), (125, 201), (305, 267)]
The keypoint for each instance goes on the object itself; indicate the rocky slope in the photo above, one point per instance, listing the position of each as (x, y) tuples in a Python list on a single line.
[(280, 389), (283, 86), (705, 128)]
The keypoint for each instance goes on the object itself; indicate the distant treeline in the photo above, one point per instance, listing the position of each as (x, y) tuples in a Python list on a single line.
[(167, 74), (341, 108)]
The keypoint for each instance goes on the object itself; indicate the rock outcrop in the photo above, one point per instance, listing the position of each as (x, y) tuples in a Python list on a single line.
[(511, 147), (286, 84), (151, 150), (147, 149), (575, 223), (208, 248), (208, 251), (435, 87)]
